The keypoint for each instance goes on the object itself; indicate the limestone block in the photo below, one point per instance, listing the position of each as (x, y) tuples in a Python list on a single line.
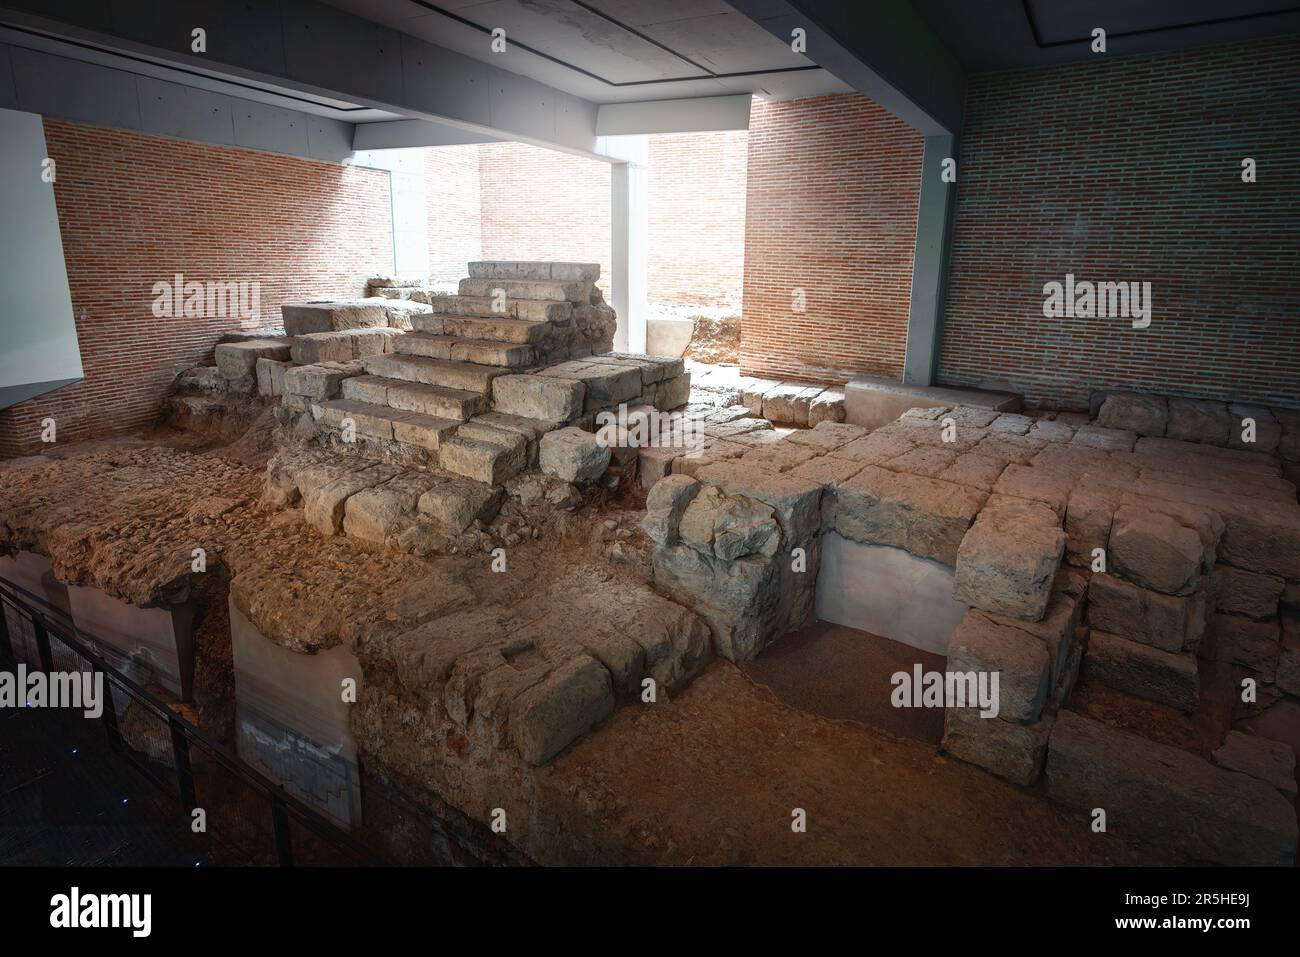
[(789, 403), (778, 457), (458, 503), (1143, 414), (1198, 420), (1155, 551), (319, 382), (826, 470), (325, 492), (1052, 430), (342, 346), (1268, 431), (1255, 644), (741, 601), (1099, 437), (827, 406), (1139, 614), (1248, 593), (926, 517), (673, 393), (1144, 671), (797, 502), (976, 468), (1015, 752), (1288, 666), (1011, 422), (550, 715), (238, 360), (1089, 513), (373, 514), (980, 645), (549, 398), (304, 318), (573, 455), (665, 504), (1167, 796), (1007, 562), (752, 392), (481, 461), (270, 376), (729, 527), (1057, 631), (1269, 761)]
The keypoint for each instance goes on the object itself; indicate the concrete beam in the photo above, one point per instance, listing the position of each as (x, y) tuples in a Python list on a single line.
[(405, 134), (883, 49), (700, 115), (934, 219), (317, 50)]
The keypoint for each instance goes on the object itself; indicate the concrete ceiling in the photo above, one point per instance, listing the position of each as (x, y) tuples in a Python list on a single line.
[(613, 51), (988, 35)]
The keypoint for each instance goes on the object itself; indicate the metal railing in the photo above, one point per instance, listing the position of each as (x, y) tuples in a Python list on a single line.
[(297, 833)]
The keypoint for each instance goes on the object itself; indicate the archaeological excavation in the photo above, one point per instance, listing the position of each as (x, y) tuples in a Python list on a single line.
[(810, 462)]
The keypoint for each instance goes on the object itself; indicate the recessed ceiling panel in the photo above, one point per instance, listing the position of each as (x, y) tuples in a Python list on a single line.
[(1064, 22), (727, 43)]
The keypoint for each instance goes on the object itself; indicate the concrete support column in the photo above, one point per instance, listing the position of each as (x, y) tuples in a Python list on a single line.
[(934, 218), (629, 224), (409, 204)]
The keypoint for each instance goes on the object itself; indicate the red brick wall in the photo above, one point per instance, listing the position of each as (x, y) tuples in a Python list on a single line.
[(1130, 169), (135, 209), (833, 188), (696, 232), (543, 204), (455, 213)]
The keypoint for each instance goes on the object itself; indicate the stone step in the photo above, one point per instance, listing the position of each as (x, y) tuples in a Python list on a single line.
[(488, 352), (533, 310), (514, 269), (383, 423), (575, 291), (455, 404), (484, 453), (444, 372)]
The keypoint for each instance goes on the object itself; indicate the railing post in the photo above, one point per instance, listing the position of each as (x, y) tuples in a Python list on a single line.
[(184, 772), (6, 645), (43, 645), (283, 843), (110, 712)]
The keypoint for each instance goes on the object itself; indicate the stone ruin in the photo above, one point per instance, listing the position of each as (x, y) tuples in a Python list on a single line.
[(1167, 570)]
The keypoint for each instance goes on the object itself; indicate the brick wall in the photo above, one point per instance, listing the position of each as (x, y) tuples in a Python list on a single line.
[(543, 204), (135, 209), (696, 230), (455, 211), (1130, 169), (831, 209)]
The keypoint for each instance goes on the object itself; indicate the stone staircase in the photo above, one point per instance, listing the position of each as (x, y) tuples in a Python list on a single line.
[(430, 389)]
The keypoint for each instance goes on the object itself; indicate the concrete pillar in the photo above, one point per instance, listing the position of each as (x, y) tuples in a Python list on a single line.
[(629, 225), (934, 217), (406, 184)]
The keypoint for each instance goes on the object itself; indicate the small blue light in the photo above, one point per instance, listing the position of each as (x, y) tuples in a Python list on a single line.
[(197, 863), (124, 800), (76, 751)]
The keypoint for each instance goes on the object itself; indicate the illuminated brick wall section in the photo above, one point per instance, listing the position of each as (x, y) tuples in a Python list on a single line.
[(834, 183), (543, 204), (455, 221), (136, 209), (1129, 169), (696, 189)]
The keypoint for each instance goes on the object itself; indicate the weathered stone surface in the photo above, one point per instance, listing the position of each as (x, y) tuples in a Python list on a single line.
[(1167, 796), (270, 376), (373, 514), (481, 460), (458, 503), (1255, 644), (673, 393), (875, 449), (1089, 513), (1267, 429), (319, 382), (789, 403), (1059, 629), (1012, 751), (304, 318), (1155, 551), (548, 398), (924, 516), (518, 269), (1095, 436), (326, 489), (573, 455), (827, 406), (827, 470), (1130, 611), (1011, 422), (729, 527), (1052, 430), (1007, 562), (796, 501), (975, 468), (982, 646), (741, 601), (342, 346), (1143, 414), (778, 457), (665, 504), (1144, 671), (1038, 483), (1198, 420), (238, 360), (926, 460), (547, 717), (1269, 761), (1248, 593), (1288, 666)]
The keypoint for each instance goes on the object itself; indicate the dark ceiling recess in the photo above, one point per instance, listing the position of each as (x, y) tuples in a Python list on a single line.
[(1163, 17), (704, 74)]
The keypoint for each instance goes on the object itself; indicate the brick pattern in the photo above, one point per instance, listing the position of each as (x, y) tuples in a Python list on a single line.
[(696, 229), (543, 204), (455, 216), (135, 209), (1130, 169), (834, 183)]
